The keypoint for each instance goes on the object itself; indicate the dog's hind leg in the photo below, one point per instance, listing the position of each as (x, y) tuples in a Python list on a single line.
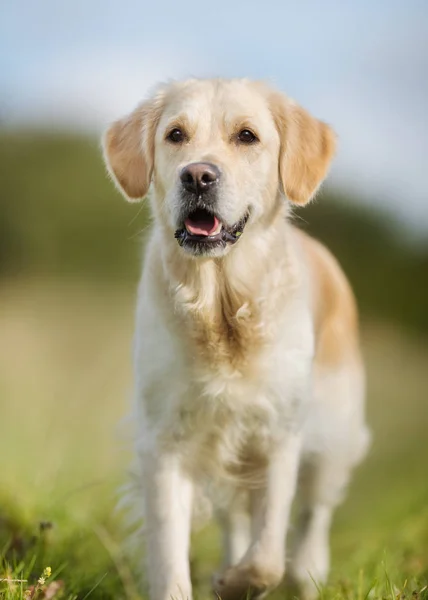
[(310, 554), (338, 440), (236, 529)]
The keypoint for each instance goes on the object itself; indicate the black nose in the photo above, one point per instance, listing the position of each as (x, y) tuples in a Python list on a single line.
[(198, 178)]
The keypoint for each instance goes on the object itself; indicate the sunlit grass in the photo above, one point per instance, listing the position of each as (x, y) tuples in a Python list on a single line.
[(65, 380)]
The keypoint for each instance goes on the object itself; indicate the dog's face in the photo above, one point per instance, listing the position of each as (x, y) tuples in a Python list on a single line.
[(218, 152), (216, 162)]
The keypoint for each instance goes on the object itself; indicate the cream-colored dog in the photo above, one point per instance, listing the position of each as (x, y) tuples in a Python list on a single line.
[(249, 379)]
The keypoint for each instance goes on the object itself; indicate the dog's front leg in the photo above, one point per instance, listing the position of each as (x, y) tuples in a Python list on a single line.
[(168, 504), (262, 567)]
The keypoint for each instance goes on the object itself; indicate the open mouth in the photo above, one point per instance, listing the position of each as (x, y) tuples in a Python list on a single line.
[(203, 230), (202, 223)]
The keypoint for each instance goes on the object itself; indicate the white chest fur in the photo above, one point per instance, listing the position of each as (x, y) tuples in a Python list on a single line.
[(222, 401)]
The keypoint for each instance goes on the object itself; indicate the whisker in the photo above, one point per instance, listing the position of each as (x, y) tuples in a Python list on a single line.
[(142, 206), (140, 232)]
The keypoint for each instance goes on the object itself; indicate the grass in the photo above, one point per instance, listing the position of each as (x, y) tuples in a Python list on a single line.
[(65, 377)]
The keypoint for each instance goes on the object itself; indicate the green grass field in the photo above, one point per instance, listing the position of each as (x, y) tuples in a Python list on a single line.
[(65, 381)]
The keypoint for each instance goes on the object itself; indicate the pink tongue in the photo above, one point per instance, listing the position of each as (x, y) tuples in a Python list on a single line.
[(202, 226)]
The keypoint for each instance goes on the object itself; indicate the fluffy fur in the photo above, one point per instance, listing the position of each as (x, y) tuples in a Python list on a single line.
[(248, 374)]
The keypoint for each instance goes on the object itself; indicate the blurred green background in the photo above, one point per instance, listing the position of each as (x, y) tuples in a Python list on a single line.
[(61, 218), (71, 248), (70, 252)]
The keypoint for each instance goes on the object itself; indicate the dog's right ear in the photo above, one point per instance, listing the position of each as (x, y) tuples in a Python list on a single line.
[(128, 147)]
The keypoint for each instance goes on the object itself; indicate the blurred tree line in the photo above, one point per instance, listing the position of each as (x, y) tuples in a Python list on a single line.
[(60, 216)]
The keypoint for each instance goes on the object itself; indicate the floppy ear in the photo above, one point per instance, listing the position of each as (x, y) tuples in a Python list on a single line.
[(307, 148), (129, 149)]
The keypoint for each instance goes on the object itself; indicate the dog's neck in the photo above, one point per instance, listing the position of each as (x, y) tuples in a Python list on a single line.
[(222, 303)]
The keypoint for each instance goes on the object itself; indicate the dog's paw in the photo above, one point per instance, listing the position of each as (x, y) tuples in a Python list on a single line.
[(309, 569), (246, 581), (305, 589)]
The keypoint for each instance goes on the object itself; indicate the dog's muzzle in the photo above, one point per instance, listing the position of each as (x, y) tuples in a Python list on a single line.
[(202, 228)]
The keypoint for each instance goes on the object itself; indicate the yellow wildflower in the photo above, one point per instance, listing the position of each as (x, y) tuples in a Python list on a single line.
[(47, 572)]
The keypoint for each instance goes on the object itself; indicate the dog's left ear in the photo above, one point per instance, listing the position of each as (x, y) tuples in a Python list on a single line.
[(307, 148)]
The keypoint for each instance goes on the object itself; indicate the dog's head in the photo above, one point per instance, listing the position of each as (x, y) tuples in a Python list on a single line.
[(220, 153)]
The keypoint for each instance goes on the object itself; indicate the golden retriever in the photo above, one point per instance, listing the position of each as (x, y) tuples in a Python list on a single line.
[(248, 375)]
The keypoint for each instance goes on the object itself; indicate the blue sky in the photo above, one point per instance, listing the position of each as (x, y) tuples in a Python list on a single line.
[(362, 66)]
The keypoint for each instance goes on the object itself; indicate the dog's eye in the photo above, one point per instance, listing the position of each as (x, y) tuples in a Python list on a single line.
[(246, 136), (176, 136)]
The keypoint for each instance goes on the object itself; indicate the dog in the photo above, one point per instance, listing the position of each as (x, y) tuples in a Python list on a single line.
[(249, 380)]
